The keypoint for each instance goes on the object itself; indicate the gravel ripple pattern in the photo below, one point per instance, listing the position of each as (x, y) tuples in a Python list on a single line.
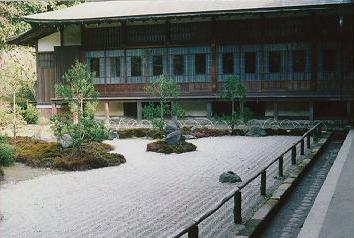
[(152, 195)]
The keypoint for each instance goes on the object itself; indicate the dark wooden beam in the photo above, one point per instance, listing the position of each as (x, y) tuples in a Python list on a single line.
[(314, 53), (123, 38), (214, 46)]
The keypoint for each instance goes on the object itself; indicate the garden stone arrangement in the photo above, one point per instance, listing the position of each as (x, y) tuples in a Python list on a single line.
[(174, 141)]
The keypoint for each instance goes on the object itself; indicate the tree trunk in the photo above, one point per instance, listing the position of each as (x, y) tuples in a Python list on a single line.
[(14, 113), (233, 107), (241, 110), (241, 107), (161, 110), (81, 109)]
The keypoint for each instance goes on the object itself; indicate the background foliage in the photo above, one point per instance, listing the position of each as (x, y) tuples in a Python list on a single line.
[(166, 90), (17, 63)]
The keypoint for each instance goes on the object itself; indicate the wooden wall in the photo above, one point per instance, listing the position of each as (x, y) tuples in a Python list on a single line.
[(45, 76), (313, 34)]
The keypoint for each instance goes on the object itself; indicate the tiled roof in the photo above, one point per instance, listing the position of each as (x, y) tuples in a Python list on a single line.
[(140, 9)]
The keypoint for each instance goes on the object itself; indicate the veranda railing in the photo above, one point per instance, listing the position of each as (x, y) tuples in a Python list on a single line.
[(192, 229)]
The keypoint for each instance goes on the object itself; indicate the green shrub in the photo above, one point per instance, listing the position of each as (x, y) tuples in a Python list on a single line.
[(30, 114), (87, 130), (7, 154), (5, 115), (152, 112), (4, 138)]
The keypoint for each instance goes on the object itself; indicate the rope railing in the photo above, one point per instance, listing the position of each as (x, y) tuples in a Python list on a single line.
[(193, 230)]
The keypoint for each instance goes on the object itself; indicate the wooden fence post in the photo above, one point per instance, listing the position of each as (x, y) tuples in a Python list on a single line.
[(302, 147), (193, 231), (314, 134), (281, 162), (293, 155), (308, 140), (237, 208), (263, 182)]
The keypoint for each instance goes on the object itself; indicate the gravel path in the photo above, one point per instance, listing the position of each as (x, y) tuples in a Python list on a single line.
[(152, 195)]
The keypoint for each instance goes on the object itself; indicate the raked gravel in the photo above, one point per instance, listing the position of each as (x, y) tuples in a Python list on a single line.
[(151, 195)]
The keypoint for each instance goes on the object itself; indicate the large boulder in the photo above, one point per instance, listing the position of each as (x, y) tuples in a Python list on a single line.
[(174, 138), (173, 133), (229, 177), (257, 132)]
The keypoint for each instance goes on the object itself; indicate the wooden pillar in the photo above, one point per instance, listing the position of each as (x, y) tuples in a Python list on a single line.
[(54, 109), (209, 110), (311, 112), (106, 112), (261, 61), (167, 44), (214, 49), (124, 46), (139, 111), (350, 113), (275, 110), (314, 54)]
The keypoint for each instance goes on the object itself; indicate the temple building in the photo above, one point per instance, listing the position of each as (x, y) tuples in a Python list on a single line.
[(295, 57)]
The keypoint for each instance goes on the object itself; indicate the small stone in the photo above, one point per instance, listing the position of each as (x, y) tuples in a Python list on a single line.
[(113, 135), (229, 177), (66, 141)]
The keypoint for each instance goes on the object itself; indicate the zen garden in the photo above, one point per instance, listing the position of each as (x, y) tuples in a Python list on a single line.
[(68, 171)]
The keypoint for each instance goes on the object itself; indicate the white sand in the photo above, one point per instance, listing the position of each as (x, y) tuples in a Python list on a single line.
[(152, 195)]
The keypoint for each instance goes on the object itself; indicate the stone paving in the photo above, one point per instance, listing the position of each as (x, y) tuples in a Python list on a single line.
[(332, 214)]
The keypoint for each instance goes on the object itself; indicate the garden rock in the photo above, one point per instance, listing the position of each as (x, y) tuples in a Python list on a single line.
[(173, 133), (229, 177), (66, 141), (257, 132), (113, 135)]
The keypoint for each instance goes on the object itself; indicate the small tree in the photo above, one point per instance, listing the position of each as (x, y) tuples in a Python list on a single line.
[(165, 90), (235, 91), (76, 89), (15, 74)]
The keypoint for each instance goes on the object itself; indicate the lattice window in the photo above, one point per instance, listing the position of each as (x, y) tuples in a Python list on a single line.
[(146, 34)]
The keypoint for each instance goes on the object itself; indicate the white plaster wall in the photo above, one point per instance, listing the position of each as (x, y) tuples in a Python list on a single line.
[(47, 43), (295, 109), (194, 108), (115, 109)]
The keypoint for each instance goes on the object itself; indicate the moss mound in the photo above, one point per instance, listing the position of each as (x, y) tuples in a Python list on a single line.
[(139, 132), (38, 153), (162, 147)]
